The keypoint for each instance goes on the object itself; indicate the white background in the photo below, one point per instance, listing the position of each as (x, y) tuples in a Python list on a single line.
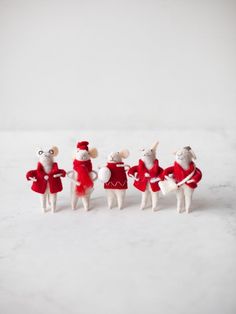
[(117, 64), (120, 74)]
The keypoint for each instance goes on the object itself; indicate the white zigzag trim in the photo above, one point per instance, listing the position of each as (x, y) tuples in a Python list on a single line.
[(117, 183)]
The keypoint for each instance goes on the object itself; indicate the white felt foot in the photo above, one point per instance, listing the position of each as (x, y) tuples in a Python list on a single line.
[(86, 203)]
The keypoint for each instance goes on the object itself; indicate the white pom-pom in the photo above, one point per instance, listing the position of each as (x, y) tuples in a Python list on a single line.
[(104, 174)]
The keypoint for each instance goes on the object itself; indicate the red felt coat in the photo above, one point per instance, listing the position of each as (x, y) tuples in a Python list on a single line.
[(40, 185), (179, 174), (140, 169), (118, 179)]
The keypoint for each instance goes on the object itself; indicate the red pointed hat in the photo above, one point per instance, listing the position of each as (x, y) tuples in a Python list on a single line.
[(83, 145)]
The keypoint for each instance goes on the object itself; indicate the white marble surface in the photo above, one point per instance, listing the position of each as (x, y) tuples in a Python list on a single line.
[(122, 262)]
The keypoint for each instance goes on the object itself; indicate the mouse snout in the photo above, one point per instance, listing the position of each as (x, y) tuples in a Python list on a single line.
[(45, 155), (46, 158), (82, 155), (180, 155), (147, 153), (114, 157), (111, 157)]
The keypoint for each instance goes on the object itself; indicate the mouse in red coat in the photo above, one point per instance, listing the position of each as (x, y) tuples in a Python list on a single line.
[(114, 177), (47, 178), (146, 176), (82, 176), (186, 177)]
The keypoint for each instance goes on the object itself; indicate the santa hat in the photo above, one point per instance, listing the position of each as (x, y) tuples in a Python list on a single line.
[(83, 145)]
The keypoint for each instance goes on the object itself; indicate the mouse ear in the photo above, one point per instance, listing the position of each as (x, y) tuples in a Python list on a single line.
[(193, 154), (54, 151), (93, 152), (124, 153), (154, 146)]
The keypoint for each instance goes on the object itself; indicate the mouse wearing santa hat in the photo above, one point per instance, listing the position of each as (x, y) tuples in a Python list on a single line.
[(47, 178), (82, 176), (146, 176), (183, 176), (114, 177)]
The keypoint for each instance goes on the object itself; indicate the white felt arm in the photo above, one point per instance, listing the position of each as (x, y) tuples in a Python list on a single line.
[(153, 180), (169, 176), (190, 181), (68, 174), (94, 178), (134, 177), (57, 175), (127, 167), (33, 179)]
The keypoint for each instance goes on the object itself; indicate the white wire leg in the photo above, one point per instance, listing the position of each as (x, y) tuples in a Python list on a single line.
[(120, 196), (180, 200), (188, 193), (155, 200), (144, 200), (43, 201), (110, 198), (86, 201), (53, 202), (74, 200)]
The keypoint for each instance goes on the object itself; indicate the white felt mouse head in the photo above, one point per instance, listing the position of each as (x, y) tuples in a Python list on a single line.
[(46, 156), (83, 153), (149, 154), (184, 156), (118, 156)]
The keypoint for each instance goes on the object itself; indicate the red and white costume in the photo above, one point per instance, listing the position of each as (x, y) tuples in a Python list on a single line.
[(118, 179), (140, 171), (82, 179), (41, 184), (179, 174)]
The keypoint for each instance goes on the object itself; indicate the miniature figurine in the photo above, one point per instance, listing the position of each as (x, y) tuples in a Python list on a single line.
[(114, 177), (82, 176), (182, 177), (47, 178), (146, 176)]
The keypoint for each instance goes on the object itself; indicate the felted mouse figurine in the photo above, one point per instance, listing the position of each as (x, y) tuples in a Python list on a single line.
[(114, 177), (82, 175), (47, 178), (146, 176), (182, 177)]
